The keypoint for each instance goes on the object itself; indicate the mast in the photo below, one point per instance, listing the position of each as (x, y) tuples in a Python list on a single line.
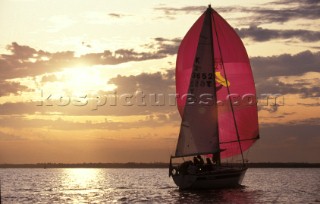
[(218, 159), (226, 79)]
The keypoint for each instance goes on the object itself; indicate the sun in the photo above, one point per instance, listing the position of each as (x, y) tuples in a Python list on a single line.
[(82, 79)]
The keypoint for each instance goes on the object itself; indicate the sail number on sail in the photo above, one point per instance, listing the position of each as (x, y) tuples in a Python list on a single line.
[(206, 80)]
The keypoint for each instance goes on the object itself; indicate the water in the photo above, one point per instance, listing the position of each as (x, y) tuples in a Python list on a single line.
[(152, 185)]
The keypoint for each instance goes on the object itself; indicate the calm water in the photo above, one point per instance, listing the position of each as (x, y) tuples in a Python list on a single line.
[(152, 185)]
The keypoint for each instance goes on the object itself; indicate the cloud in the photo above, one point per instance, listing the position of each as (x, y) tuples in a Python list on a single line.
[(115, 15), (19, 108), (26, 61), (284, 15), (171, 12), (267, 70), (24, 52), (151, 120), (49, 78), (295, 2), (285, 64), (266, 13), (8, 88), (283, 11), (149, 83), (144, 102), (309, 104), (9, 137), (167, 46), (261, 34), (275, 86)]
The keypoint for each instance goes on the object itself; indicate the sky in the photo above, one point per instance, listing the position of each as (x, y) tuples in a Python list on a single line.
[(62, 64)]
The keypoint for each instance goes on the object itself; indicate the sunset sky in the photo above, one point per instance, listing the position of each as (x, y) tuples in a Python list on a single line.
[(89, 51)]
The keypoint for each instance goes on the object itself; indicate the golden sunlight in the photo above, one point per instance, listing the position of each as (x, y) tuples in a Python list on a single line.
[(81, 79), (80, 178)]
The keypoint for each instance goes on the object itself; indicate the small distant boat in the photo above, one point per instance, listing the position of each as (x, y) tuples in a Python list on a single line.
[(217, 105)]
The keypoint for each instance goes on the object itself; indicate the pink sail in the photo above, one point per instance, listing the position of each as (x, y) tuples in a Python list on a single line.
[(232, 62), (237, 123), (185, 59)]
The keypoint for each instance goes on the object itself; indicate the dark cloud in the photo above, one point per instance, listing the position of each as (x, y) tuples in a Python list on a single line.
[(289, 10), (8, 88), (149, 83), (19, 108), (262, 34), (171, 12), (309, 104), (292, 10), (164, 46), (275, 86), (26, 61), (272, 15), (295, 3), (115, 15), (118, 57), (274, 12), (285, 65), (266, 71), (86, 44), (24, 52)]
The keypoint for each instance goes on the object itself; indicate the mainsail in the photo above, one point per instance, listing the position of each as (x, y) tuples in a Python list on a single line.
[(216, 90)]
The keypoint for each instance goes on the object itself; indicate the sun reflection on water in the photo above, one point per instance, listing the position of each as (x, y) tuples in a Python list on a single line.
[(81, 179)]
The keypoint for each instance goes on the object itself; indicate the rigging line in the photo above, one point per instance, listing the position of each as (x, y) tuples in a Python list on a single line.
[(225, 76), (209, 10), (256, 138)]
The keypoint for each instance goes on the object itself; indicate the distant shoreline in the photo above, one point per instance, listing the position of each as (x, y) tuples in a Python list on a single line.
[(148, 165)]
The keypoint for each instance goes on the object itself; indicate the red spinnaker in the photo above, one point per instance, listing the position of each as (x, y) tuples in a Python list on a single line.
[(233, 76)]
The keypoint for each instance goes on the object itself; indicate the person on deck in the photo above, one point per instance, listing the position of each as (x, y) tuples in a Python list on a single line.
[(209, 165), (196, 162), (215, 159), (209, 162), (183, 169), (201, 161), (200, 165)]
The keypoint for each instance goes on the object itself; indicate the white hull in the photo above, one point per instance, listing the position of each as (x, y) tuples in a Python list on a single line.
[(224, 177)]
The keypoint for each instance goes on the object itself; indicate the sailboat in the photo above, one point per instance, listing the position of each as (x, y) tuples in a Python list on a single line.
[(217, 103)]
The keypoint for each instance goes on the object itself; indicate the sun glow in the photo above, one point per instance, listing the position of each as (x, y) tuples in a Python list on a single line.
[(83, 79), (80, 178)]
